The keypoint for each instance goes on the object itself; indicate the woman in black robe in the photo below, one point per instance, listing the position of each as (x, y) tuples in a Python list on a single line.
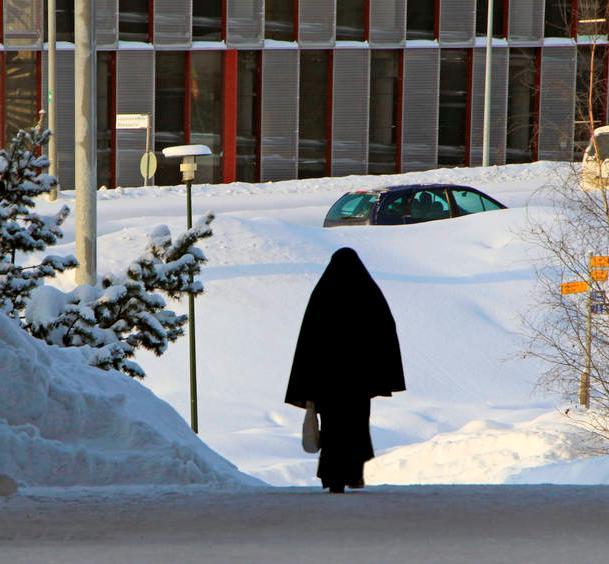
[(347, 353)]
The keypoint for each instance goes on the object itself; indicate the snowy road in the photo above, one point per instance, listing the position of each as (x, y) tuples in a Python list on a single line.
[(424, 524)]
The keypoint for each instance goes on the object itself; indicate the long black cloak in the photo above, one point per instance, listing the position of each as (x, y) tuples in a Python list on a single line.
[(347, 353)]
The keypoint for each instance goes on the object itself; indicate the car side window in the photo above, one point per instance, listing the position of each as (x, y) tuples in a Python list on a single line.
[(394, 208), (427, 205), (353, 206), (472, 202)]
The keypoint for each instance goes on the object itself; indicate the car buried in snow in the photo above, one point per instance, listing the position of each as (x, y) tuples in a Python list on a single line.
[(405, 204)]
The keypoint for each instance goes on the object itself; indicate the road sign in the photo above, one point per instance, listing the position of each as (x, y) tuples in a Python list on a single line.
[(132, 121), (599, 261), (599, 274), (598, 296), (599, 309), (574, 287), (148, 165)]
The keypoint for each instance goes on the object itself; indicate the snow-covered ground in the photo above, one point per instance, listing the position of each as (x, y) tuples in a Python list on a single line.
[(457, 288)]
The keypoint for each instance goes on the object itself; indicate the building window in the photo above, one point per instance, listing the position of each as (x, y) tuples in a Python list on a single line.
[(420, 20), (64, 20), (583, 129), (248, 116), (592, 18), (482, 17), (206, 84), (452, 124), (169, 111), (206, 20), (279, 20), (313, 114), (350, 19), (558, 18), (105, 127), (133, 20), (521, 105), (384, 88), (21, 92)]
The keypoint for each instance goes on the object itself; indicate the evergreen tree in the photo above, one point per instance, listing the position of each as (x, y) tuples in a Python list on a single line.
[(22, 178), (124, 313)]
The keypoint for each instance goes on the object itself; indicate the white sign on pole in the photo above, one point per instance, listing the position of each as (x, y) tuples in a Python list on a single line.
[(132, 121)]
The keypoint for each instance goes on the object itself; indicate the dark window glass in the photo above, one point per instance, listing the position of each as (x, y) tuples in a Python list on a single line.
[(312, 115), (592, 18), (482, 17), (420, 19), (206, 20), (583, 129), (353, 206), (383, 111), (133, 20), (558, 18), (395, 210), (279, 20), (247, 116), (21, 92), (64, 20), (453, 107), (206, 111), (521, 106), (427, 205), (169, 112), (104, 111), (350, 17)]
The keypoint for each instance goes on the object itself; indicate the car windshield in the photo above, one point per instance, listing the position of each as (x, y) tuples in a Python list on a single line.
[(355, 205)]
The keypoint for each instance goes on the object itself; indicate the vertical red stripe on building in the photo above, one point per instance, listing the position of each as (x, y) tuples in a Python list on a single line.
[(229, 129), (112, 113), (506, 18), (367, 8), (468, 106), (537, 108), (224, 18), (605, 83), (2, 98), (150, 21), (399, 113), (436, 23), (296, 28), (329, 112), (258, 115), (1, 21), (187, 95), (39, 103), (574, 17)]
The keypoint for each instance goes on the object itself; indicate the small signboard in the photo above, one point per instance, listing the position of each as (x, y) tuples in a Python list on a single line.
[(599, 309), (132, 121), (148, 165), (598, 296), (599, 275), (574, 287), (599, 261)]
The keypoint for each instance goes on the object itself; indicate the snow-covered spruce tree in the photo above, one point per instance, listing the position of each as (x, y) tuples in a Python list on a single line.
[(124, 313), (22, 178)]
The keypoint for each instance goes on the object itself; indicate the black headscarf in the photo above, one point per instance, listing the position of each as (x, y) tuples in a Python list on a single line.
[(348, 346)]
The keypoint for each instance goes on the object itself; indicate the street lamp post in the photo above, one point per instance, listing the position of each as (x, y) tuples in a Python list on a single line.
[(188, 168), (486, 135)]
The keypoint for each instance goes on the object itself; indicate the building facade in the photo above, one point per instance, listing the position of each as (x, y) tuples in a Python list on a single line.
[(283, 89)]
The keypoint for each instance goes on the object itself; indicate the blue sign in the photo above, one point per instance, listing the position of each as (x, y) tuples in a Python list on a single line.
[(598, 296), (600, 309)]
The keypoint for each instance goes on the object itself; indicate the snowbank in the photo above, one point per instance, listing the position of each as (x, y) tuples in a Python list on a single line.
[(64, 423)]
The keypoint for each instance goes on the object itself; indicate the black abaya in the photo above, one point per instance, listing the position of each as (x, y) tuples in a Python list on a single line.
[(347, 353)]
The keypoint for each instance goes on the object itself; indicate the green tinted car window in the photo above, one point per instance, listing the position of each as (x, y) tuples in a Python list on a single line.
[(353, 206)]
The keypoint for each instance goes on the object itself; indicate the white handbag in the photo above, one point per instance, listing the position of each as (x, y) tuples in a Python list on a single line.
[(310, 430)]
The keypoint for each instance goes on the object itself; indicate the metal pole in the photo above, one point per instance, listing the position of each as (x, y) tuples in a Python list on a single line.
[(85, 153), (147, 149), (584, 383), (486, 135), (194, 418), (52, 110)]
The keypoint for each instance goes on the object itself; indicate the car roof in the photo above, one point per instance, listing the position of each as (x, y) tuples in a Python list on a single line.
[(411, 187)]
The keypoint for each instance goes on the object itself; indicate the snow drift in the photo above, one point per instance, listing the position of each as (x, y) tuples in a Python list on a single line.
[(64, 423)]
